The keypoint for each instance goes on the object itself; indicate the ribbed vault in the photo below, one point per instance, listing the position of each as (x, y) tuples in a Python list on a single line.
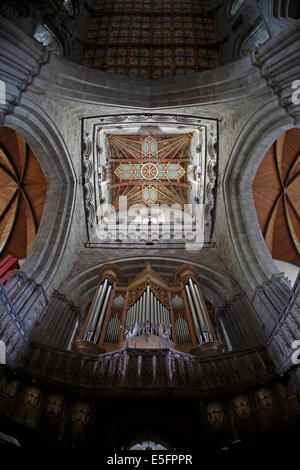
[(22, 195), (276, 190)]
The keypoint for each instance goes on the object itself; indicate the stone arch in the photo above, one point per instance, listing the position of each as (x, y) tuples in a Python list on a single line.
[(261, 130), (218, 287), (41, 134)]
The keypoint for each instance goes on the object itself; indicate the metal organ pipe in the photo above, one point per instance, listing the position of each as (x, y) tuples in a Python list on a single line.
[(201, 307), (151, 308), (73, 335), (205, 327), (182, 331), (89, 332), (102, 314), (148, 304), (160, 320), (198, 309), (113, 331), (225, 335), (148, 312), (194, 315)]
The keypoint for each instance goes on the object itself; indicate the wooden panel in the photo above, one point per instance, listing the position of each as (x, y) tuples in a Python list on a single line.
[(22, 195), (276, 190)]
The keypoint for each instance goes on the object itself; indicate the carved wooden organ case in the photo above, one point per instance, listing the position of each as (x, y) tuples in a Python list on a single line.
[(149, 313)]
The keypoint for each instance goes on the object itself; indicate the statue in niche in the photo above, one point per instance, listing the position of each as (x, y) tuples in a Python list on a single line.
[(244, 419), (28, 410), (265, 399), (219, 423), (241, 406), (10, 389), (52, 421), (267, 409), (80, 416), (215, 413)]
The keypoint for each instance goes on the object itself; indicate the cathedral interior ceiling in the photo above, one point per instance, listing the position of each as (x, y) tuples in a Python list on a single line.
[(22, 195), (162, 39), (150, 160), (277, 197)]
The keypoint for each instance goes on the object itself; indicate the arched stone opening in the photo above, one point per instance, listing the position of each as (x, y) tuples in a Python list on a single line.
[(259, 269), (22, 196), (47, 144)]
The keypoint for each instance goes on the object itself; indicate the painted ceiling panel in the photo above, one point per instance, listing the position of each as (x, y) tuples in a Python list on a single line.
[(154, 171), (151, 39)]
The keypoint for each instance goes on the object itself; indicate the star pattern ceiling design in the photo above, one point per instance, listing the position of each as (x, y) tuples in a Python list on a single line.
[(276, 190), (149, 170), (22, 195)]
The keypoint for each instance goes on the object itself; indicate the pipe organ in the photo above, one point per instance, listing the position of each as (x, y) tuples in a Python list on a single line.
[(97, 313), (147, 312), (182, 331)]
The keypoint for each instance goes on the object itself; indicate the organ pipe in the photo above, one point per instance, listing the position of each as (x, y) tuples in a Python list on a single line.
[(148, 312), (198, 308), (194, 315), (202, 309), (94, 315), (102, 315)]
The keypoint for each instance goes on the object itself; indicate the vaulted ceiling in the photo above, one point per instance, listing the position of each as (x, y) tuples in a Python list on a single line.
[(22, 195), (149, 170), (151, 38), (276, 190)]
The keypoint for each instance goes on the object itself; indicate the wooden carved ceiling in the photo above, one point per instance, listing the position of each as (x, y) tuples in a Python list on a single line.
[(22, 195), (151, 39), (276, 190), (149, 170)]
